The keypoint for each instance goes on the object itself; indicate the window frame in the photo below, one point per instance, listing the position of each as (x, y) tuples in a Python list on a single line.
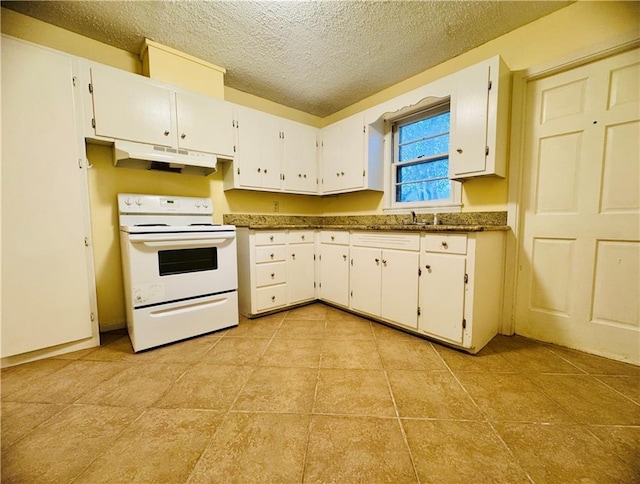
[(451, 204)]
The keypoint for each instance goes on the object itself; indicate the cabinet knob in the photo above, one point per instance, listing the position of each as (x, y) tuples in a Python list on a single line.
[(265, 170), (304, 176), (459, 150), (377, 261), (293, 256), (332, 238), (302, 237), (445, 245), (384, 262), (273, 298), (337, 174), (427, 267), (342, 173), (272, 256), (259, 170), (273, 275), (344, 257), (166, 133), (299, 175), (183, 136), (271, 238)]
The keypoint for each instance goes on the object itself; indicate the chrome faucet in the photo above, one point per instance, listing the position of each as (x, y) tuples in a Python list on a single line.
[(414, 217)]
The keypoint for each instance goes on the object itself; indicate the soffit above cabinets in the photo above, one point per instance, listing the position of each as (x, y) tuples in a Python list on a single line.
[(315, 56)]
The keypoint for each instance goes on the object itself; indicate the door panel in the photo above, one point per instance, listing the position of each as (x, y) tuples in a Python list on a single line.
[(46, 287), (442, 295), (365, 280), (334, 273), (128, 107), (400, 287), (300, 273), (578, 281)]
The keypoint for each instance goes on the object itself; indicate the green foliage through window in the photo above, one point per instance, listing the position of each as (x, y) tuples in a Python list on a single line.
[(421, 156)]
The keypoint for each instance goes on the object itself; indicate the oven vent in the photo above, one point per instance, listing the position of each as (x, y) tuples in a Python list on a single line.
[(129, 154)]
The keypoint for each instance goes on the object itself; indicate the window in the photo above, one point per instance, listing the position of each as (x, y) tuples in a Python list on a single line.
[(420, 161)]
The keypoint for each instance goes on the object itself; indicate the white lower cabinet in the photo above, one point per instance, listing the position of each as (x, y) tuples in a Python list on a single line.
[(334, 267), (384, 276), (276, 268), (461, 287), (301, 262)]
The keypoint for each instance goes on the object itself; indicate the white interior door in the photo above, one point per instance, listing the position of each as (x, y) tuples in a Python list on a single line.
[(578, 282)]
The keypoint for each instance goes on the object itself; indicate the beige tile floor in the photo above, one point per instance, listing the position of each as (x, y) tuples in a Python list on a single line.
[(318, 395)]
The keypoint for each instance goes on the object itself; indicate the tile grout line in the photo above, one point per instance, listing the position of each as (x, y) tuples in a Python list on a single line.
[(313, 405), (395, 408), (486, 417), (228, 410)]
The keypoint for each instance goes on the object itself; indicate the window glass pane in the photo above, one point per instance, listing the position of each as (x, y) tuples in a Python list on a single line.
[(420, 191), (424, 127), (423, 171), (428, 147)]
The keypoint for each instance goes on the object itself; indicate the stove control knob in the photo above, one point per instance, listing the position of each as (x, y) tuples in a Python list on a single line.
[(198, 203), (128, 201), (205, 203), (138, 202)]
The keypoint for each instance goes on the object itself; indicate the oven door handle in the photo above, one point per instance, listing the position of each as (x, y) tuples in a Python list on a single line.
[(181, 241)]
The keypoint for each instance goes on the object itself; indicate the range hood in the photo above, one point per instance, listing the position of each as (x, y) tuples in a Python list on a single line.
[(128, 154)]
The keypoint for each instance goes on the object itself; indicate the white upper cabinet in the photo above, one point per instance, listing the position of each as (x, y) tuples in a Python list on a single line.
[(257, 162), (134, 108), (479, 120), (273, 154), (343, 155), (299, 157), (128, 107), (205, 124)]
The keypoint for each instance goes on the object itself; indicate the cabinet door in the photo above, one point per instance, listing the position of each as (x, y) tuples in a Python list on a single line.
[(442, 296), (258, 158), (331, 157), (128, 107), (299, 157), (469, 116), (300, 273), (399, 300), (47, 279), (334, 273), (365, 280), (352, 159), (204, 124)]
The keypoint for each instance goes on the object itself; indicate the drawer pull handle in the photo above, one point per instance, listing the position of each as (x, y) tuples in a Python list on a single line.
[(445, 245), (273, 275), (332, 238), (273, 298), (302, 237), (271, 238)]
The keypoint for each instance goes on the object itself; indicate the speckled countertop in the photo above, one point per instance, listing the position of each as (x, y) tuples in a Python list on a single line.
[(447, 222)]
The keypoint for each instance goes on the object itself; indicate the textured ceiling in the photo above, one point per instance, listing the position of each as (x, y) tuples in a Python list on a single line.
[(315, 56)]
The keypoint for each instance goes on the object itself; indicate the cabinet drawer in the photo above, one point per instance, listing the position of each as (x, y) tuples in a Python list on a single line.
[(270, 254), (271, 297), (269, 274), (334, 237), (445, 243), (300, 237), (270, 238)]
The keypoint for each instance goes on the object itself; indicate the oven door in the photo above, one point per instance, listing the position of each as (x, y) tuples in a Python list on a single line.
[(167, 267)]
